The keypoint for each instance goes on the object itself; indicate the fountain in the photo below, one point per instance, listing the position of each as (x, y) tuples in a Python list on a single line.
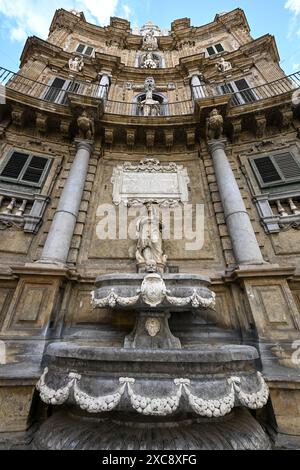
[(152, 393)]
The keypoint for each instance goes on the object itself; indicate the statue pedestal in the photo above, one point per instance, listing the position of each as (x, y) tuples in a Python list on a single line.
[(152, 331)]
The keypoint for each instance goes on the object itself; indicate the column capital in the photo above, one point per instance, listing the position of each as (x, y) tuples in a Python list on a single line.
[(84, 144), (214, 145)]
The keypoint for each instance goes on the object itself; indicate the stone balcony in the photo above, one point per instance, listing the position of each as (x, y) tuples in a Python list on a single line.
[(47, 108)]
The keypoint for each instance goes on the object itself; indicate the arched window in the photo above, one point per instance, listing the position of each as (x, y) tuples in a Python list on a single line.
[(158, 106)]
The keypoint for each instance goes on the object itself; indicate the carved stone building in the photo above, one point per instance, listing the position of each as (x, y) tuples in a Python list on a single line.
[(104, 117)]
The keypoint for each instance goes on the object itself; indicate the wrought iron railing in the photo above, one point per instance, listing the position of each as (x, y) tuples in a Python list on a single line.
[(177, 108), (46, 92), (278, 87)]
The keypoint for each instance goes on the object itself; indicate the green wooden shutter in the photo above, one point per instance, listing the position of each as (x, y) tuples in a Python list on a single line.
[(80, 48), (267, 170), (219, 48), (35, 170), (210, 50), (15, 165), (89, 51), (287, 165)]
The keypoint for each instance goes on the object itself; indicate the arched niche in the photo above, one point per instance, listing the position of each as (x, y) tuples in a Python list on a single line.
[(157, 57), (160, 97)]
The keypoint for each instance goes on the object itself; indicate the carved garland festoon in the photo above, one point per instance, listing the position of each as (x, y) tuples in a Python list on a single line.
[(153, 292), (113, 300), (149, 406)]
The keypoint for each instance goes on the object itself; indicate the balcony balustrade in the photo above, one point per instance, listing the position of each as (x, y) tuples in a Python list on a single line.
[(45, 92)]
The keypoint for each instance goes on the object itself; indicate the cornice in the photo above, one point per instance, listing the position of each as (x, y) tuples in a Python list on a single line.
[(55, 57), (64, 19), (34, 45), (119, 29)]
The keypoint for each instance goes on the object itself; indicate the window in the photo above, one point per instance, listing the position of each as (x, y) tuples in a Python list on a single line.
[(274, 170), (56, 92), (242, 93), (25, 168), (85, 50), (216, 49)]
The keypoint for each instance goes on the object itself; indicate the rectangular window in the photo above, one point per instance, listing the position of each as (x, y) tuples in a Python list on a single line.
[(25, 168), (219, 48), (241, 91), (215, 49), (85, 50), (274, 170), (56, 92), (210, 51)]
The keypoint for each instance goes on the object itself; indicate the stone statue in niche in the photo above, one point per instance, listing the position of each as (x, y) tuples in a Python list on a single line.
[(214, 125), (150, 41), (148, 61), (149, 106), (223, 65), (85, 126), (149, 251), (76, 64)]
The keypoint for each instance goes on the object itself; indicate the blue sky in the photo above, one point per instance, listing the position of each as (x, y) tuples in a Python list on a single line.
[(22, 18)]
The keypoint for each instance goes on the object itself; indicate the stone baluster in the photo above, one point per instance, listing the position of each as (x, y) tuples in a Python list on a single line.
[(10, 206), (281, 209), (60, 235), (22, 208), (244, 242), (293, 207)]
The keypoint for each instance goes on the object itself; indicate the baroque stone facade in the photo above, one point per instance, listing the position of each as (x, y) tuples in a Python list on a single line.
[(107, 117)]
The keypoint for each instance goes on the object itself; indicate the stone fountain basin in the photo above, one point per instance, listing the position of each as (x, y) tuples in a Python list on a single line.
[(153, 372), (127, 286)]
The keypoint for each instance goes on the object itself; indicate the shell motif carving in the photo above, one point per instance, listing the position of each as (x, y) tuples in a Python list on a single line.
[(153, 290), (152, 326)]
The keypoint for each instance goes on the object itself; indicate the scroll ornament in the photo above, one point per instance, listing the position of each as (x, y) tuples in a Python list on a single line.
[(158, 406)]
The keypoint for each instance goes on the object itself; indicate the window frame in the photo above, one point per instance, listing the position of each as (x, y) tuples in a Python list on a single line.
[(19, 180), (237, 93), (272, 157), (213, 46), (61, 96), (86, 46)]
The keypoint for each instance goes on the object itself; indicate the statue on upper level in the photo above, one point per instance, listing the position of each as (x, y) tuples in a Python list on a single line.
[(150, 41), (76, 64), (149, 106), (85, 126), (223, 65), (149, 62), (214, 125), (149, 251)]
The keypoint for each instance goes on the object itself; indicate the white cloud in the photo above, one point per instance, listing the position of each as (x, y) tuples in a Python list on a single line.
[(126, 11), (29, 17), (293, 5)]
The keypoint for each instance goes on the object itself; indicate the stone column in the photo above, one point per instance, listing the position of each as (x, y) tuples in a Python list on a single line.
[(59, 238), (244, 242)]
